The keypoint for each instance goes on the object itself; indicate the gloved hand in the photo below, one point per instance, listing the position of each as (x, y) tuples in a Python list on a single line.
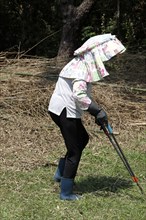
[(101, 118), (99, 114)]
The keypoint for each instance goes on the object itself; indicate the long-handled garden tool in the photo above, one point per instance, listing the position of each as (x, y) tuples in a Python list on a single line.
[(109, 132)]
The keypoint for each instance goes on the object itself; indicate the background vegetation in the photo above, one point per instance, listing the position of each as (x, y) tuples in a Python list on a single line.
[(24, 24)]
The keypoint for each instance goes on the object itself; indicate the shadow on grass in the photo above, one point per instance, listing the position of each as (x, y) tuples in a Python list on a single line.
[(102, 183)]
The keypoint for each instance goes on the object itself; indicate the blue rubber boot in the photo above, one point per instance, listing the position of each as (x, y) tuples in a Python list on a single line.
[(59, 171), (67, 190)]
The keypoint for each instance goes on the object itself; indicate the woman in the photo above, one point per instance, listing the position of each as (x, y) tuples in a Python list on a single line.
[(72, 96)]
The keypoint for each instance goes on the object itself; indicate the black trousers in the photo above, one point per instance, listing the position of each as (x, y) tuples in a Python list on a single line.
[(75, 137)]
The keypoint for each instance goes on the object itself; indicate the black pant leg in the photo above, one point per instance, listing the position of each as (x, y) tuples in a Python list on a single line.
[(75, 138)]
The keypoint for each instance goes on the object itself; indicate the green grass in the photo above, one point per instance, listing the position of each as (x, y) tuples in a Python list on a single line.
[(106, 187)]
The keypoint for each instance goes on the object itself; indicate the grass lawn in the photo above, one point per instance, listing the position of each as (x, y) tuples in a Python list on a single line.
[(106, 187)]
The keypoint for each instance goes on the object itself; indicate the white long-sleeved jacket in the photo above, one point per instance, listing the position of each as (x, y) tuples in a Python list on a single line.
[(73, 88)]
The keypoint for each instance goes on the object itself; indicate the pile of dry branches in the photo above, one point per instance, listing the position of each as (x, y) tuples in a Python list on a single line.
[(26, 87), (28, 134)]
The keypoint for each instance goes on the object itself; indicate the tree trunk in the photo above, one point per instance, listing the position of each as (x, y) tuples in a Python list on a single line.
[(72, 17)]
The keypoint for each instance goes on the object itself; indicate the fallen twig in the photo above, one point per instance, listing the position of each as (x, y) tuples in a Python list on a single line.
[(138, 124)]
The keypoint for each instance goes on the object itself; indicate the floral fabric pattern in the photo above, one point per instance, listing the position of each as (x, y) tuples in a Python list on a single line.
[(81, 91), (88, 62)]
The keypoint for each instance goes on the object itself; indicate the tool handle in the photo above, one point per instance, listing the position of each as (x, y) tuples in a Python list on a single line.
[(110, 130)]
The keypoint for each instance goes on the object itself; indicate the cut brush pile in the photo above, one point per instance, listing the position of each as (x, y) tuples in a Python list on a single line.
[(28, 136)]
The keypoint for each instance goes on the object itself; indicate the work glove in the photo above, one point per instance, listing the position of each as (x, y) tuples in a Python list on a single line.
[(101, 118), (99, 114)]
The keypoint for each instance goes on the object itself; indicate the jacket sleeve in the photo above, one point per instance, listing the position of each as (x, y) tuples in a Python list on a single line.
[(80, 94)]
